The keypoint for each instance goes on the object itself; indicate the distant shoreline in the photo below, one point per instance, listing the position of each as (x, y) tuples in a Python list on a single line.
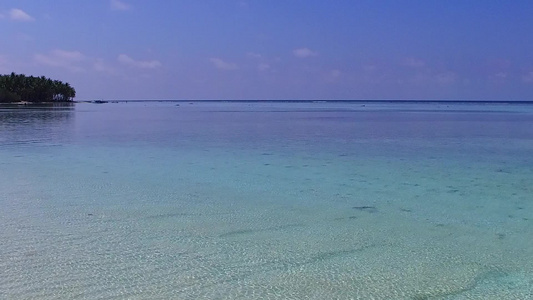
[(37, 103), (321, 101), (488, 102)]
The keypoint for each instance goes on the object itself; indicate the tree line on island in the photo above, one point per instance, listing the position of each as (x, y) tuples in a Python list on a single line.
[(22, 88)]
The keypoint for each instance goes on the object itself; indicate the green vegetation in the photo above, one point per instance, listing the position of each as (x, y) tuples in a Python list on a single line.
[(19, 87)]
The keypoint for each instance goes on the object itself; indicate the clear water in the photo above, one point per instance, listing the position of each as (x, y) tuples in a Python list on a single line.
[(266, 201)]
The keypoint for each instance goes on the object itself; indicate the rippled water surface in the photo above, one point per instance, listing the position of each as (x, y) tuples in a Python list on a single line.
[(266, 201)]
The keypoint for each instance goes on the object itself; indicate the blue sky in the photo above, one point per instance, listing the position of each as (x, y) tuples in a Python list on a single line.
[(294, 49)]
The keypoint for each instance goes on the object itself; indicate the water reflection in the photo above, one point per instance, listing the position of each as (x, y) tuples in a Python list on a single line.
[(34, 124)]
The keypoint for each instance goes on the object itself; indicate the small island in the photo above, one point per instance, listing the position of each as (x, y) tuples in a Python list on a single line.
[(30, 89)]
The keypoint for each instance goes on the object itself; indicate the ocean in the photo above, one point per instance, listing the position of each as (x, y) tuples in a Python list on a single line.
[(267, 200)]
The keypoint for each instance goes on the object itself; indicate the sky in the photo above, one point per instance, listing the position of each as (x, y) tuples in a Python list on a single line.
[(268, 49)]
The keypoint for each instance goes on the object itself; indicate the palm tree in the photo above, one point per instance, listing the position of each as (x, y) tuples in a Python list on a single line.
[(19, 87)]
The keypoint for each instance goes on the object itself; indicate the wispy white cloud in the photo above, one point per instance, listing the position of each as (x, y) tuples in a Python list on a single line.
[(69, 60), (412, 62), (101, 66), (528, 78), (499, 77), (223, 65), (262, 62), (446, 78), (333, 75), (119, 5), (254, 55), (16, 14), (263, 67), (143, 64), (304, 52), (370, 67)]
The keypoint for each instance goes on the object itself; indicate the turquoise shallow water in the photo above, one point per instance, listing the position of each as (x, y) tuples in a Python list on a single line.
[(266, 201)]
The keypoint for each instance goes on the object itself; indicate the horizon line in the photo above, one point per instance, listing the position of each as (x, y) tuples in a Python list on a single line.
[(315, 100)]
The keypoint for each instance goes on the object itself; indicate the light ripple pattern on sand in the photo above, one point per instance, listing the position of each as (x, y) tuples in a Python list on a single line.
[(266, 201)]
